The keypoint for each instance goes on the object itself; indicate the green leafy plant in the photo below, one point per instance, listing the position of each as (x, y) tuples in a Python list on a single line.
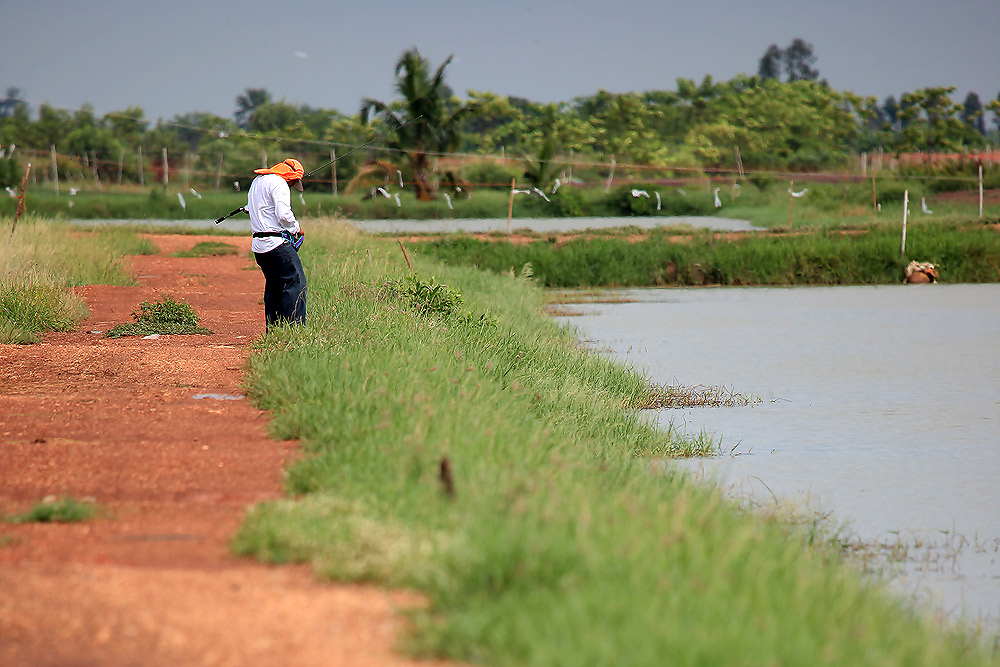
[(169, 317), (426, 296)]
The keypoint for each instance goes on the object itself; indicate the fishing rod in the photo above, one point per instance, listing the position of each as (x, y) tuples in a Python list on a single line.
[(242, 209)]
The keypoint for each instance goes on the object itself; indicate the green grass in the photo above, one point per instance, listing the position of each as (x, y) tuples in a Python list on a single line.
[(964, 250), (60, 510), (43, 260), (208, 249), (570, 539), (164, 317)]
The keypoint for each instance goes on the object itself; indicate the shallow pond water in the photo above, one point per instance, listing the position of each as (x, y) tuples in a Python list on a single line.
[(880, 406)]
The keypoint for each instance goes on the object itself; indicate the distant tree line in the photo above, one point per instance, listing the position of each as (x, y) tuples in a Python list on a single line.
[(784, 117)]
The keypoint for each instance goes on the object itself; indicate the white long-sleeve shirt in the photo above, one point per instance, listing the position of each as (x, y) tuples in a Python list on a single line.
[(269, 203)]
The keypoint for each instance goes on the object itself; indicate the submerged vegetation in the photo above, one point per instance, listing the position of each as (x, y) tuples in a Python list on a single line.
[(496, 467)]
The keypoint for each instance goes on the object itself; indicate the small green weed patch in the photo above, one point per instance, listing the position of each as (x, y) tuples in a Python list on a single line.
[(60, 510), (208, 249), (167, 316)]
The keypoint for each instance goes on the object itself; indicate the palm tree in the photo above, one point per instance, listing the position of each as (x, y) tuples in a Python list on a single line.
[(426, 120)]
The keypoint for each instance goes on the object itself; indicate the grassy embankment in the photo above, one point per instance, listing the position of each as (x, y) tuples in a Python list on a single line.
[(42, 260), (473, 452), (965, 250), (763, 202)]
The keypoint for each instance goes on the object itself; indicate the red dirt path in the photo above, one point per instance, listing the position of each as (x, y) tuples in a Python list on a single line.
[(152, 581)]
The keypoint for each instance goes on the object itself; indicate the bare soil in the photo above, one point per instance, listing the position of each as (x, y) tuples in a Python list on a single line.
[(151, 581)]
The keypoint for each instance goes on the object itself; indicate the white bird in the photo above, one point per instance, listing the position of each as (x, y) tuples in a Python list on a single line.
[(657, 200), (195, 193), (556, 186), (11, 192), (180, 198), (878, 207), (11, 151), (397, 200), (923, 206), (223, 135), (400, 174), (383, 192), (302, 199), (683, 194), (718, 202), (541, 194), (521, 192), (640, 193), (301, 54), (73, 191), (448, 199), (2, 151), (236, 184), (799, 193)]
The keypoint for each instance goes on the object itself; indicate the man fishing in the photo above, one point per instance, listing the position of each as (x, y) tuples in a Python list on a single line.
[(276, 241)]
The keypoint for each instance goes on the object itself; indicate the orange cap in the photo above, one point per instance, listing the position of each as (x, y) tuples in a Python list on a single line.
[(291, 170)]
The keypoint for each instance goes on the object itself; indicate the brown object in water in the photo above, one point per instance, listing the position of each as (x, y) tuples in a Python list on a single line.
[(920, 272)]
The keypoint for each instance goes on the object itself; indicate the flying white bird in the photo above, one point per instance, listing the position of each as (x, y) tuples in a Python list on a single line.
[(541, 194), (556, 186), (923, 206), (682, 193), (180, 198), (223, 135), (718, 202), (302, 199), (236, 184), (11, 151), (2, 151), (397, 199), (448, 199), (195, 193), (657, 200), (640, 193), (382, 191), (799, 193), (400, 174), (300, 54), (521, 192), (73, 191)]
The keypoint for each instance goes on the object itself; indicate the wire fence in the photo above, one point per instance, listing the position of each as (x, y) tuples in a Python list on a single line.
[(233, 169)]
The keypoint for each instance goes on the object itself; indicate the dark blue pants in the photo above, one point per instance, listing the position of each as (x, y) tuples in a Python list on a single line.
[(284, 285)]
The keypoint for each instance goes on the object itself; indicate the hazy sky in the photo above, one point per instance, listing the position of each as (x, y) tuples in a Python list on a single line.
[(178, 56)]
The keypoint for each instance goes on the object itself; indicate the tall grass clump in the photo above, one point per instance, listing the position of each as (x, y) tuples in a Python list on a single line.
[(39, 264), (459, 443)]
